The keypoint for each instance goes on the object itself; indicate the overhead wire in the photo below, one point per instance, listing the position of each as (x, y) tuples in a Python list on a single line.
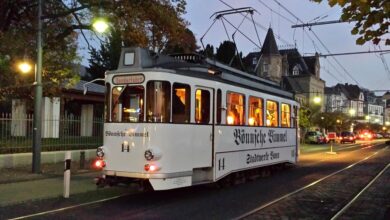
[(258, 24), (305, 32), (323, 45)]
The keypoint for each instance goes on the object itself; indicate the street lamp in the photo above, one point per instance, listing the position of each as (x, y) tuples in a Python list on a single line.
[(317, 100), (352, 112), (100, 25), (37, 141), (25, 67)]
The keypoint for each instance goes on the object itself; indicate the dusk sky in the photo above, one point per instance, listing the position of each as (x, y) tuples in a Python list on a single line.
[(367, 69)]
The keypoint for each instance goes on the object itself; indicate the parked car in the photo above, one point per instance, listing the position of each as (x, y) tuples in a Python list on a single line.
[(314, 137), (347, 136)]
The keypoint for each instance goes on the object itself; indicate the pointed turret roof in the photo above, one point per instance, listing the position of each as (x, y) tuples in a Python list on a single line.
[(269, 46)]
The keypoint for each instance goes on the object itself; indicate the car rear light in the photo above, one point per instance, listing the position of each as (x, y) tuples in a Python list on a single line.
[(369, 136), (350, 138)]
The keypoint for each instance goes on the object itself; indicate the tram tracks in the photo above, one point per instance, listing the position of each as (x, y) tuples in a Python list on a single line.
[(332, 196)]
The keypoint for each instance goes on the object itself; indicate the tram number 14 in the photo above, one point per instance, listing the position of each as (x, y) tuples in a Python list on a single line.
[(221, 163)]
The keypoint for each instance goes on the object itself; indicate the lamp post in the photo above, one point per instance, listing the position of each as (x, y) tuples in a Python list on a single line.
[(37, 141)]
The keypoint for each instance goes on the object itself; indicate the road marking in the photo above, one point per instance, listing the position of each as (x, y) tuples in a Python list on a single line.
[(304, 187), (69, 207)]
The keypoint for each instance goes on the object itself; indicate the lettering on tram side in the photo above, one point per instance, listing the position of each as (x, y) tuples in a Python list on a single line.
[(126, 134), (254, 158), (258, 137)]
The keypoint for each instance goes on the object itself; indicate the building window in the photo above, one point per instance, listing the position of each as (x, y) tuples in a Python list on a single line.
[(295, 70), (254, 61), (158, 101), (202, 106), (235, 109), (286, 115), (265, 68), (255, 111), (181, 103), (272, 114)]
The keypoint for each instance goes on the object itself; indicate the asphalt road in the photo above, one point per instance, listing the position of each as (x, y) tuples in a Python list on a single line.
[(208, 202)]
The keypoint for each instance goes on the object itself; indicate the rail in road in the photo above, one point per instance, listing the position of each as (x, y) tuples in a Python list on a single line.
[(323, 198), (346, 193)]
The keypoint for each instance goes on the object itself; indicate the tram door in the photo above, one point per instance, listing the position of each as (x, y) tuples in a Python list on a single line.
[(204, 108)]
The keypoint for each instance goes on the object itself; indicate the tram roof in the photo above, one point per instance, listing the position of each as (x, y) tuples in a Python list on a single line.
[(195, 65)]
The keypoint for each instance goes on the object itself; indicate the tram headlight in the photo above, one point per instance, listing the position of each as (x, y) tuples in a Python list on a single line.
[(100, 152), (149, 155)]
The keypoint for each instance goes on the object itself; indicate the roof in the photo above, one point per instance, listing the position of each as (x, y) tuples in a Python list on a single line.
[(269, 46), (294, 58), (311, 63), (293, 85), (332, 90), (352, 92), (92, 87)]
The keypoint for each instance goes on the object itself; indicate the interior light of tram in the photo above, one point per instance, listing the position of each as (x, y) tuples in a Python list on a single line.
[(268, 122), (230, 120), (251, 121), (119, 88)]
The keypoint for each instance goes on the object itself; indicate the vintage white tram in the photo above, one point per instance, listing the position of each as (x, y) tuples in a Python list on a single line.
[(183, 120)]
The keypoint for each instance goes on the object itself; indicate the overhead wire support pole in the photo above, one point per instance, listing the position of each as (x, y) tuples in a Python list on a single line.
[(317, 23), (352, 53)]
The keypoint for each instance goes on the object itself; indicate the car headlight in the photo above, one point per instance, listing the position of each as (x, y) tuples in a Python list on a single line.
[(100, 152), (149, 155)]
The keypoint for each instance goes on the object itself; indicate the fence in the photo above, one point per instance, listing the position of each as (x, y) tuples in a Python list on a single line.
[(65, 133)]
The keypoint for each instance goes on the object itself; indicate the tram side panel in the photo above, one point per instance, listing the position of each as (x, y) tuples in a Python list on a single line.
[(241, 148)]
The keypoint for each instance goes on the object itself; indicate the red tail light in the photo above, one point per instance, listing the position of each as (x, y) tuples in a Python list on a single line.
[(99, 164), (150, 167)]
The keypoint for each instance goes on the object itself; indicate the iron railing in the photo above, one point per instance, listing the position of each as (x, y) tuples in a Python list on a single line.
[(64, 133)]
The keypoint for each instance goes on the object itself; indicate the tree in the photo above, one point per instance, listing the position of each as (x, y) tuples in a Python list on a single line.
[(107, 58), (153, 24), (208, 51), (372, 18), (226, 53), (18, 28)]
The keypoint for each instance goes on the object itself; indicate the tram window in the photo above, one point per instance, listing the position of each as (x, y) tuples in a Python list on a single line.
[(255, 111), (294, 116), (158, 101), (127, 104), (107, 102), (219, 106), (272, 113), (202, 106), (286, 115), (235, 109), (181, 103)]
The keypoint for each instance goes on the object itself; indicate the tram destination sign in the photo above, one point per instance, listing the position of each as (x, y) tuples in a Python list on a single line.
[(129, 79)]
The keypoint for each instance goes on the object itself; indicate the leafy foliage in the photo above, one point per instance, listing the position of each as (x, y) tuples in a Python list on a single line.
[(153, 24), (226, 53), (18, 28), (372, 18)]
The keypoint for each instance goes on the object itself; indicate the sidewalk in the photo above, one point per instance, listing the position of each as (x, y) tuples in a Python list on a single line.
[(21, 185)]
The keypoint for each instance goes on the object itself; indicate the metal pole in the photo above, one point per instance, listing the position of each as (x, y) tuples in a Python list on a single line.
[(36, 147)]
